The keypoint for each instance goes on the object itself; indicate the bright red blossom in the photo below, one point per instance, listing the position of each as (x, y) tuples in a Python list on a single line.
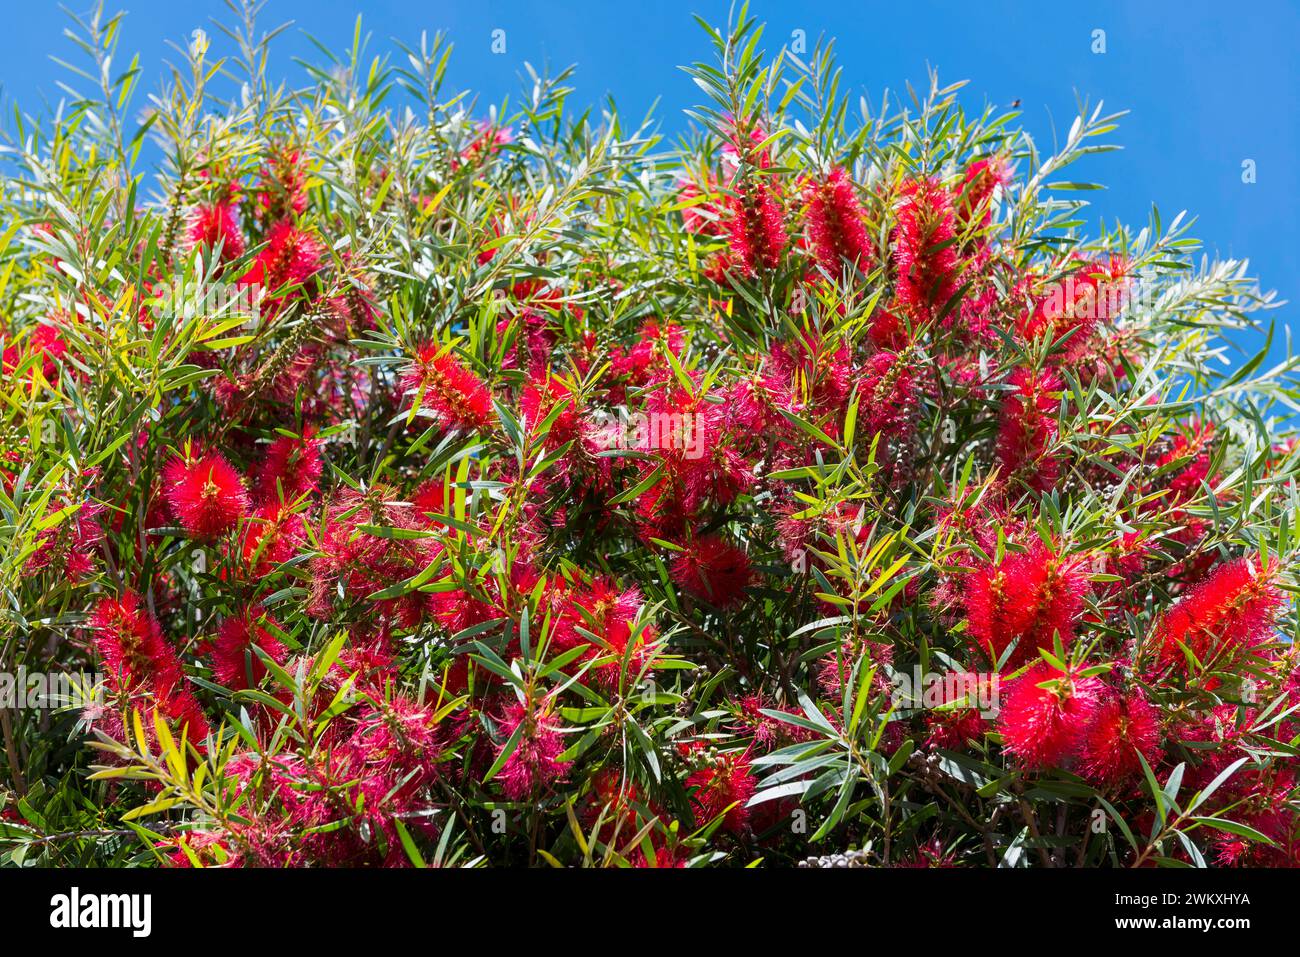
[(141, 665), (925, 255), (450, 390), (46, 342), (1228, 614), (1045, 715), (234, 663), (290, 468), (756, 228), (291, 257), (723, 786), (213, 224), (835, 223), (975, 193), (1028, 427), (1126, 725), (205, 493), (534, 763), (713, 569), (1030, 597)]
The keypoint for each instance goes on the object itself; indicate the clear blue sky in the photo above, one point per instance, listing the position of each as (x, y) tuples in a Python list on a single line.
[(1207, 84)]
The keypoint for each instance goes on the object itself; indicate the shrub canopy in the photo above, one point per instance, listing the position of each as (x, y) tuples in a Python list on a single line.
[(422, 483)]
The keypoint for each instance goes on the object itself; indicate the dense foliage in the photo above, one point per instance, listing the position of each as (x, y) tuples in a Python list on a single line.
[(417, 482)]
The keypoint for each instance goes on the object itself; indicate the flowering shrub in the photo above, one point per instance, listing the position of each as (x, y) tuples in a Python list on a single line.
[(424, 486)]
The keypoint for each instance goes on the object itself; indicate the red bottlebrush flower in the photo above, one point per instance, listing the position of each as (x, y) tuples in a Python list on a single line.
[(534, 764), (756, 228), (394, 751), (283, 182), (449, 389), (713, 569), (888, 331), (835, 668), (1077, 305), (754, 404), (976, 191), (954, 728), (609, 614), (209, 848), (1216, 737), (291, 257), (352, 564), (720, 474), (45, 342), (395, 737), (205, 493), (1262, 800), (1044, 726), (890, 404), (613, 793), (665, 857), (273, 535), (216, 223), (646, 361), (724, 784), (290, 469), (835, 224), (138, 660), (955, 709), (431, 498), (768, 732), (925, 254), (1028, 598), (70, 546), (797, 536), (1229, 613), (540, 397), (1194, 451), (1028, 427), (130, 641), (818, 369), (1125, 726), (234, 663), (534, 342)]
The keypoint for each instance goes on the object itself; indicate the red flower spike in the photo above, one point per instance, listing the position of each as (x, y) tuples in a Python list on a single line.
[(1046, 714), (216, 223), (1028, 427), (835, 224), (1126, 725), (233, 658), (534, 764), (205, 493), (1031, 596), (458, 396), (724, 784), (713, 569), (756, 228), (1229, 613), (290, 469), (925, 254)]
